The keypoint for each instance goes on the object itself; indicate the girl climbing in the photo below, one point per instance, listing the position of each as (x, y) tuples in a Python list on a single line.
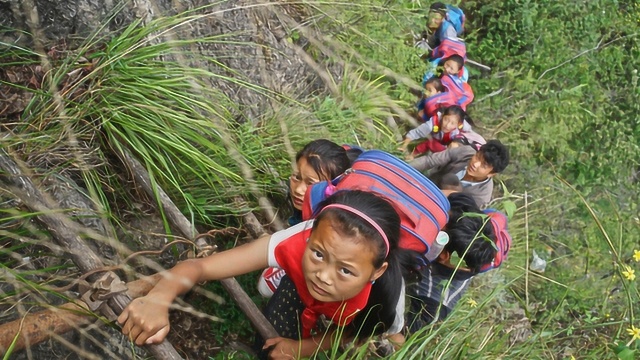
[(345, 265), (435, 98), (441, 130), (319, 160)]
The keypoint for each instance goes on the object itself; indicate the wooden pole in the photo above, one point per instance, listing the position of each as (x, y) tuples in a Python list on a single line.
[(64, 232), (180, 222), (38, 327)]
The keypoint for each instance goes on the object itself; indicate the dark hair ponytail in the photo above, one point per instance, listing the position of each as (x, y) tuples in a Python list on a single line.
[(325, 157), (379, 314)]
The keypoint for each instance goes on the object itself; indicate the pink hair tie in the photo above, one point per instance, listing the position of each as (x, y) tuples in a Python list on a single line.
[(365, 217)]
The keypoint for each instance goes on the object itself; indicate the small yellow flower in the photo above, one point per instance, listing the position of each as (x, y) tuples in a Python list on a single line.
[(634, 332), (636, 255), (472, 303), (629, 273)]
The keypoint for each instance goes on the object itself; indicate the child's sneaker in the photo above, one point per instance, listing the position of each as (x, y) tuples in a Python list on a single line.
[(269, 281)]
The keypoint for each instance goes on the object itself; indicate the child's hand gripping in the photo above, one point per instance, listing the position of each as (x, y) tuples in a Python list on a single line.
[(145, 320), (282, 348)]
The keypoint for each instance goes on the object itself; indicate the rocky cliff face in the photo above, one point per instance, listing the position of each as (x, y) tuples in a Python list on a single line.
[(258, 47)]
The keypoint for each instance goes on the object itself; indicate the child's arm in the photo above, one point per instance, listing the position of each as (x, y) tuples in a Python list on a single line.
[(437, 159), (404, 144), (422, 131), (146, 319)]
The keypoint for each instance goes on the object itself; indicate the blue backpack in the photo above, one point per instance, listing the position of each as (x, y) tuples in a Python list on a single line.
[(422, 207), (455, 17)]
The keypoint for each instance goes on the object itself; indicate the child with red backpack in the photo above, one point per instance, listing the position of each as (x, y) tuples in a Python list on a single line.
[(444, 281), (319, 160), (452, 65), (446, 22), (345, 264), (439, 130), (435, 97)]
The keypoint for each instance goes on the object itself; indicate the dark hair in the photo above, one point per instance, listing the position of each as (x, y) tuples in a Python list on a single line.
[(436, 82), (495, 154), (460, 113), (438, 7), (470, 232), (327, 158), (455, 58), (450, 182), (353, 153), (380, 312)]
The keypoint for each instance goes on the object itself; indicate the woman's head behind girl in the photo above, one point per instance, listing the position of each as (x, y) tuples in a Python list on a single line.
[(453, 118), (351, 238), (319, 160)]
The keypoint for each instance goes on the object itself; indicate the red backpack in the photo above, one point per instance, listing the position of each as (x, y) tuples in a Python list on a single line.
[(503, 240), (422, 207), (449, 47), (460, 90), (432, 104)]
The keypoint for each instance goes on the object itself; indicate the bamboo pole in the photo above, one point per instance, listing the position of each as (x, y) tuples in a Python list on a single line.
[(180, 222), (64, 232), (38, 327)]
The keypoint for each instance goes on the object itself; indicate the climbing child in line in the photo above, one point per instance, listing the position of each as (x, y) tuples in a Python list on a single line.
[(319, 160), (454, 66), (450, 184), (434, 97), (443, 22), (439, 130), (476, 244), (345, 265)]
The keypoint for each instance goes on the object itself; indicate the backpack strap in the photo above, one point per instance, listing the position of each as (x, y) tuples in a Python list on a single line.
[(498, 221)]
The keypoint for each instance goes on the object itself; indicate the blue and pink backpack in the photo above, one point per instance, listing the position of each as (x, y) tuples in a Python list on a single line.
[(454, 17), (423, 208), (432, 104), (460, 90), (449, 47)]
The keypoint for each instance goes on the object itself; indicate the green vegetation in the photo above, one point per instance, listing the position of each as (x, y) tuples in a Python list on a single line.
[(563, 94)]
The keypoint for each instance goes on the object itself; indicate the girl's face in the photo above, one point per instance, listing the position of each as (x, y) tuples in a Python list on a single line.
[(450, 123), (430, 90), (451, 67), (337, 267), (300, 180)]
